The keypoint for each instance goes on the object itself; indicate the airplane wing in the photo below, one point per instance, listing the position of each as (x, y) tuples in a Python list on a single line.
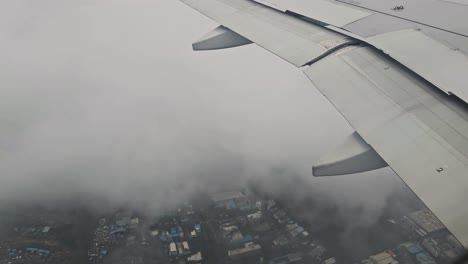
[(398, 75)]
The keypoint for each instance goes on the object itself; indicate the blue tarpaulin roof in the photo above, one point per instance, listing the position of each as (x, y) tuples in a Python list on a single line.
[(247, 238), (118, 230), (424, 256), (414, 249), (42, 251), (300, 229)]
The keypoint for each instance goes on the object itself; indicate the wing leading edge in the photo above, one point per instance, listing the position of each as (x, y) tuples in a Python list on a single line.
[(400, 119)]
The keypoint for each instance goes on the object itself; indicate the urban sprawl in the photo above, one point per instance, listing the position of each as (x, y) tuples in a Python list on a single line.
[(236, 227)]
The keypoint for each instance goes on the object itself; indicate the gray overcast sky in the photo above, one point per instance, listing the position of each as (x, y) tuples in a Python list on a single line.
[(107, 97)]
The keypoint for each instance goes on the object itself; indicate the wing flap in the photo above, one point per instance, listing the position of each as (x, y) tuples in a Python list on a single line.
[(422, 54), (400, 116), (328, 12)]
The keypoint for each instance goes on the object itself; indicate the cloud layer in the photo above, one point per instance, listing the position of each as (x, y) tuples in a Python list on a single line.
[(107, 98)]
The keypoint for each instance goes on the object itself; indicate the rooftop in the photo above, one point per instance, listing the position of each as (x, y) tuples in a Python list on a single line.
[(220, 197), (426, 220), (248, 247), (383, 258)]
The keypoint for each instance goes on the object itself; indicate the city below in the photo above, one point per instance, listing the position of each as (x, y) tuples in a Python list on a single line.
[(237, 226)]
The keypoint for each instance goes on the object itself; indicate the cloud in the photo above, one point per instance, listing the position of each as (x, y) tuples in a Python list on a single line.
[(107, 98)]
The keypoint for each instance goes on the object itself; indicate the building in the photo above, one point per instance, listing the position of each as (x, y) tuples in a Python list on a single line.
[(281, 216), (448, 252), (291, 225), (426, 220), (382, 258), (455, 244), (124, 221), (412, 248), (259, 205), (227, 200), (330, 261), (424, 258), (40, 252), (290, 258), (31, 250), (296, 231), (294, 257), (173, 232), (440, 249), (281, 241), (249, 250), (317, 251), (246, 239), (180, 249), (172, 249), (43, 252), (255, 216), (185, 248), (117, 231), (196, 258), (431, 246), (197, 228), (225, 196), (228, 228), (180, 231), (236, 237)]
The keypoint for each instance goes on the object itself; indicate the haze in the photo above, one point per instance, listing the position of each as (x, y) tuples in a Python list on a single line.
[(107, 98)]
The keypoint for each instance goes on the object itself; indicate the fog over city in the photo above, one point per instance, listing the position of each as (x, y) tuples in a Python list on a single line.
[(107, 99)]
